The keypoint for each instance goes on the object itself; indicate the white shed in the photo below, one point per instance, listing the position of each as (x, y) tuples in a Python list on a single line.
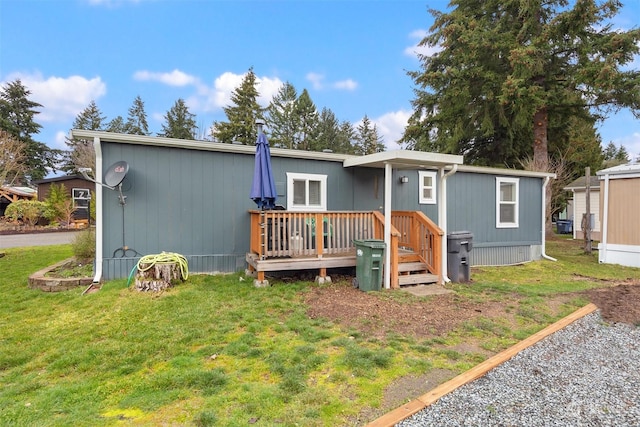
[(579, 190)]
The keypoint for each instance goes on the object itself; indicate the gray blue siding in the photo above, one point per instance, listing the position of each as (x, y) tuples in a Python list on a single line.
[(196, 202)]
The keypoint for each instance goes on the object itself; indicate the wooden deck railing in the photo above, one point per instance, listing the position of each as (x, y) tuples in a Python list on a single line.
[(278, 234), (422, 235)]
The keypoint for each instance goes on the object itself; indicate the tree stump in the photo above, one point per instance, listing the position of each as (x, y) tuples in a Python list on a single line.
[(158, 277)]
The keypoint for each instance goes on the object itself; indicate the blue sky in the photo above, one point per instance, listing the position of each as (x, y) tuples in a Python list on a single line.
[(352, 56)]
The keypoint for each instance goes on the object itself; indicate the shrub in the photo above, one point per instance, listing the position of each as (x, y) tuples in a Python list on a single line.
[(92, 206), (84, 245), (27, 211), (59, 206)]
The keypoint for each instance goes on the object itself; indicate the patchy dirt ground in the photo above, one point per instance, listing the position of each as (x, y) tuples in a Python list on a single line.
[(618, 304), (378, 314)]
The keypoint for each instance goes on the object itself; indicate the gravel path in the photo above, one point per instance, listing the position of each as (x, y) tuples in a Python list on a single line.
[(587, 374)]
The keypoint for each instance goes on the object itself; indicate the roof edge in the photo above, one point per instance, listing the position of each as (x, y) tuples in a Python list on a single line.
[(203, 145)]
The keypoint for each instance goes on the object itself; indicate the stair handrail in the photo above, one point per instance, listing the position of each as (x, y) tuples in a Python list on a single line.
[(425, 238), (395, 236)]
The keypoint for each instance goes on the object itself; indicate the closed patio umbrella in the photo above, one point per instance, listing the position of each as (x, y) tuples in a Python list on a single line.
[(263, 190)]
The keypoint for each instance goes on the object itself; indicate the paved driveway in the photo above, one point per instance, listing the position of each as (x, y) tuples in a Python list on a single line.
[(37, 239)]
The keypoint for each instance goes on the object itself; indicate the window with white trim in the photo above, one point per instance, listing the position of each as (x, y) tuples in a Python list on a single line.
[(81, 197), (306, 192), (427, 187), (507, 190)]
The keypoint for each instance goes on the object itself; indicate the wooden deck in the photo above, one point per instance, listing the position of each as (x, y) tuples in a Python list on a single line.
[(284, 241)]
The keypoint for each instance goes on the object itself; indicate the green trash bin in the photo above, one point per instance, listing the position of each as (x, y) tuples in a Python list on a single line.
[(369, 262)]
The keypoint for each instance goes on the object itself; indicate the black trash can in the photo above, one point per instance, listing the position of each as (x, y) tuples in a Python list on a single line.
[(459, 244)]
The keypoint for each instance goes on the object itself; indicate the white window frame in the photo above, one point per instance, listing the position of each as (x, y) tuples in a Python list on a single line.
[(427, 200), (515, 203), (74, 197), (291, 176)]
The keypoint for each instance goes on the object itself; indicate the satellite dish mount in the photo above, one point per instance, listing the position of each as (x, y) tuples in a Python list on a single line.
[(113, 178)]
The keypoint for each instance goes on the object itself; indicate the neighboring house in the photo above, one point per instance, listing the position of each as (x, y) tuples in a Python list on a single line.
[(192, 197), (620, 215), (9, 195), (579, 190), (78, 188)]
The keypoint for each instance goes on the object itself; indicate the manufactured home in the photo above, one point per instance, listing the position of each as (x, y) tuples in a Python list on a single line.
[(579, 206), (619, 215), (192, 197)]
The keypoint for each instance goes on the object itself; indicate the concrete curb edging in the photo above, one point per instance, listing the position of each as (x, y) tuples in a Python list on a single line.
[(416, 405)]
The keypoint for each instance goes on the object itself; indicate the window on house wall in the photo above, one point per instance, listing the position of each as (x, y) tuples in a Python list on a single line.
[(507, 202), (306, 192), (81, 197), (427, 187)]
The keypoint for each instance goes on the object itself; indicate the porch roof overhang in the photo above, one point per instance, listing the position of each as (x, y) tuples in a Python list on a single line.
[(404, 159)]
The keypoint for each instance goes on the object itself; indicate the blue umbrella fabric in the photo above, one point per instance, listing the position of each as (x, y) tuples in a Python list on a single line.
[(263, 190)]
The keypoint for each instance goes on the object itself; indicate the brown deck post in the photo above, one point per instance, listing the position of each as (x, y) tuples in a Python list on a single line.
[(319, 234)]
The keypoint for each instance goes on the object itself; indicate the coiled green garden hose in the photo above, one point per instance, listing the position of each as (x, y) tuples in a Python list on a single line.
[(165, 258)]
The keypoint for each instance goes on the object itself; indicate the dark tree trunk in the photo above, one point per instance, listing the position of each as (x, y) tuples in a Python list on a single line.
[(541, 157)]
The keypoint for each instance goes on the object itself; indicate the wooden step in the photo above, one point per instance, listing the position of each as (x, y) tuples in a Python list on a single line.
[(412, 266), (408, 257), (417, 279)]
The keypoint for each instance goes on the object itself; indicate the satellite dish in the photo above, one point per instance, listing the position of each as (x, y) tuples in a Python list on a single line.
[(116, 173)]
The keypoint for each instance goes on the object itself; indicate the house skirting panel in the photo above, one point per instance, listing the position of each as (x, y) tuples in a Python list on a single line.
[(628, 255), (504, 255), (118, 268)]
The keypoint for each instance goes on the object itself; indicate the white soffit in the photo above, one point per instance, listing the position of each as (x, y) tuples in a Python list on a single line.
[(403, 158)]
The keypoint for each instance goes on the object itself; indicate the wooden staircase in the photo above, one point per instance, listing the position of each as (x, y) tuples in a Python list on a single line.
[(412, 270)]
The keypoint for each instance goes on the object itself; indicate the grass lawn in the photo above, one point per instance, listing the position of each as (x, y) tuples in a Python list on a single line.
[(217, 351)]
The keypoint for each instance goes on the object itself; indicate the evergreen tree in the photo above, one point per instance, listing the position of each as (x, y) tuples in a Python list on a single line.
[(367, 139), (507, 68), (137, 119), (90, 118), (179, 122), (241, 115), (116, 125), (614, 156), (307, 114), (329, 134), (17, 118), (81, 153), (345, 139), (281, 118)]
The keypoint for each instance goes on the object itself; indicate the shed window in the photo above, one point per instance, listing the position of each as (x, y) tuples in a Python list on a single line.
[(81, 197), (507, 202), (306, 192), (427, 187)]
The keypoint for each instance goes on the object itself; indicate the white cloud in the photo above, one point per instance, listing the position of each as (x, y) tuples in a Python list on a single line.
[(414, 50), (62, 98), (267, 87), (391, 126), (59, 140), (346, 84), (174, 78), (219, 95), (316, 80)]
